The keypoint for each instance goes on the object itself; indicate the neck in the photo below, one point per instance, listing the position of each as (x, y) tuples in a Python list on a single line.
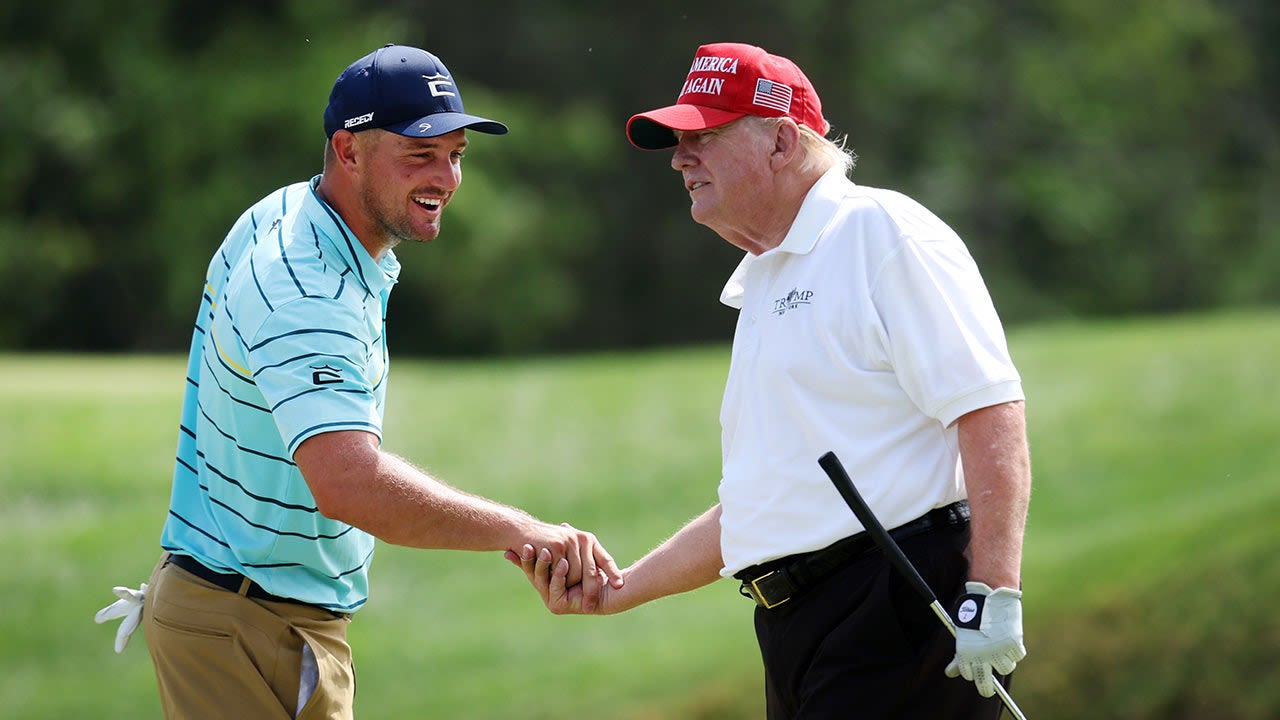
[(341, 196), (770, 228)]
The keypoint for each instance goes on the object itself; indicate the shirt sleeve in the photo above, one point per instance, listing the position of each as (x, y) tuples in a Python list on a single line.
[(313, 359), (944, 336)]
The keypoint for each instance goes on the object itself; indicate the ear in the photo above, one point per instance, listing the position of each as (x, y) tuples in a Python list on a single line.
[(346, 149), (786, 144)]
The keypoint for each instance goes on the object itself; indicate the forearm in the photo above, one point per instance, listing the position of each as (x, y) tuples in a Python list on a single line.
[(356, 482), (997, 472), (687, 560), (404, 505)]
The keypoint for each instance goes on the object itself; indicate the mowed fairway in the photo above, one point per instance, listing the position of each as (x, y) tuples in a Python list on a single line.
[(1149, 573)]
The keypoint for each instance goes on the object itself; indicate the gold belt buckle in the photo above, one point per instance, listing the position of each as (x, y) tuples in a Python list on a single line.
[(759, 596)]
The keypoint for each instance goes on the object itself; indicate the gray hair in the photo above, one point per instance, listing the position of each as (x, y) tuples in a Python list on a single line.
[(818, 152)]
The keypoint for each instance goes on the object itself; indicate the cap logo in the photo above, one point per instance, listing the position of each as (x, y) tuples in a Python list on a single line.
[(358, 120), (704, 85), (437, 84), (772, 95), (709, 63), (708, 85)]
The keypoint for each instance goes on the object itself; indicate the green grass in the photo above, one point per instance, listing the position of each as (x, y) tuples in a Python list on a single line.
[(1148, 573)]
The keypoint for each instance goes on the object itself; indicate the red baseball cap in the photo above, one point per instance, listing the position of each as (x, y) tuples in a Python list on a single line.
[(728, 81)]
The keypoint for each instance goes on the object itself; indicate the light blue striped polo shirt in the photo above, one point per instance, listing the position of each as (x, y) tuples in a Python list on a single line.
[(289, 343)]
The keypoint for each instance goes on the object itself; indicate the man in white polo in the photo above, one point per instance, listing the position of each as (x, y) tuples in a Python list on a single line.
[(865, 329)]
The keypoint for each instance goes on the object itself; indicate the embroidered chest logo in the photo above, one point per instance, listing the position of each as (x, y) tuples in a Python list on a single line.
[(325, 375), (792, 300)]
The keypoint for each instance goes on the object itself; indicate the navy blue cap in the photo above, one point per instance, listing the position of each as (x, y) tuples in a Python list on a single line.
[(404, 90)]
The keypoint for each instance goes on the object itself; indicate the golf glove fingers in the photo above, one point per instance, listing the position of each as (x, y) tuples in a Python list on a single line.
[(988, 635), (128, 609)]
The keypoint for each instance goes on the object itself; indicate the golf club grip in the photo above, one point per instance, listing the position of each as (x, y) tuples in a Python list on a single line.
[(844, 485)]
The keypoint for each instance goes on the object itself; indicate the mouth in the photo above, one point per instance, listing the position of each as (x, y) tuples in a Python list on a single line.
[(430, 204), (695, 185)]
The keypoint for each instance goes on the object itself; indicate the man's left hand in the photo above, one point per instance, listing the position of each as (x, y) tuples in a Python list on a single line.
[(988, 635)]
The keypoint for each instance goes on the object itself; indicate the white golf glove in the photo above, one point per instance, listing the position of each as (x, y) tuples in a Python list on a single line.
[(988, 635), (129, 607)]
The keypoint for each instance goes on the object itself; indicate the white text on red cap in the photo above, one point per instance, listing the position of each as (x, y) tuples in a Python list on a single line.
[(706, 85)]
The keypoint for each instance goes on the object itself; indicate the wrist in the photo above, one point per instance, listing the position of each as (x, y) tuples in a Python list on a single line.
[(996, 580)]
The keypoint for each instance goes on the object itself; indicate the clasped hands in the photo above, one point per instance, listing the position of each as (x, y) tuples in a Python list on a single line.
[(571, 583)]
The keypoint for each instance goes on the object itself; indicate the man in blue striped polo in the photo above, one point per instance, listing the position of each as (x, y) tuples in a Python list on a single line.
[(280, 485)]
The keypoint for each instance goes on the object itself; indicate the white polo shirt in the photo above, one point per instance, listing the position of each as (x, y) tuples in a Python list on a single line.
[(867, 332)]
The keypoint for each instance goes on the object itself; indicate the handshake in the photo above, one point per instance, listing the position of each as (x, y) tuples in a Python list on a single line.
[(585, 583)]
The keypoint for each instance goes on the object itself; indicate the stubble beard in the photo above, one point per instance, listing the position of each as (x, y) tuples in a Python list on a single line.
[(394, 222)]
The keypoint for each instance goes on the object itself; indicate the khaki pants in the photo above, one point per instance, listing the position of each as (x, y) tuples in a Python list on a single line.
[(218, 654)]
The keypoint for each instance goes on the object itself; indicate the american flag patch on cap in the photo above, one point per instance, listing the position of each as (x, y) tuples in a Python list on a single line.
[(772, 95)]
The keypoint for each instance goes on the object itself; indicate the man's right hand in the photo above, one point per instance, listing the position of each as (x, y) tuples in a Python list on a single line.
[(568, 562), (688, 560), (550, 576)]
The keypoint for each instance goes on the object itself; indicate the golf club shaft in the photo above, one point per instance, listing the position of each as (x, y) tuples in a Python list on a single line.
[(844, 485)]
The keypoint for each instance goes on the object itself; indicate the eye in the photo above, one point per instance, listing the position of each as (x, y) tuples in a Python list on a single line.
[(700, 137)]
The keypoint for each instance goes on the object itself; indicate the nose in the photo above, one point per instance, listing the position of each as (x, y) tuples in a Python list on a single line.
[(451, 176), (683, 157)]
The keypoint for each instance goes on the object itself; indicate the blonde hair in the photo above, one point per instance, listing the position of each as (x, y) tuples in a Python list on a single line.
[(819, 152)]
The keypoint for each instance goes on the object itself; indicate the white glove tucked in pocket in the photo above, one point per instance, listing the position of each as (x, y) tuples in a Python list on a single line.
[(129, 607)]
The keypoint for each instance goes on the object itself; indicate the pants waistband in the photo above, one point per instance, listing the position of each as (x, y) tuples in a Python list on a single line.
[(777, 581), (234, 582)]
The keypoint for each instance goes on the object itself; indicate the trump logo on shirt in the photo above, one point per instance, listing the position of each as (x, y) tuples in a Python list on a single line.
[(792, 300)]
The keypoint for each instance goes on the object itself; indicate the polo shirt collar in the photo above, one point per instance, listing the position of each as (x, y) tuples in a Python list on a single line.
[(376, 277), (819, 206)]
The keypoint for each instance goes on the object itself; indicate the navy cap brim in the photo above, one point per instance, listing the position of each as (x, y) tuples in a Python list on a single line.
[(445, 123)]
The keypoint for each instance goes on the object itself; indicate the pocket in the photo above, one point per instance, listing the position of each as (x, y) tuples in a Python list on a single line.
[(180, 619), (194, 631), (333, 692), (309, 677)]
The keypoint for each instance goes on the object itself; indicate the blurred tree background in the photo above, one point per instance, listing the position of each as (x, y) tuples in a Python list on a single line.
[(1100, 158)]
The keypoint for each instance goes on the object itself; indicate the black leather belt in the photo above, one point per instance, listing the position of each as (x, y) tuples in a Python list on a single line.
[(228, 581), (777, 581)]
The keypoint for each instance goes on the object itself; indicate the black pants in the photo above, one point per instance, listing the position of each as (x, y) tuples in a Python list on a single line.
[(863, 644)]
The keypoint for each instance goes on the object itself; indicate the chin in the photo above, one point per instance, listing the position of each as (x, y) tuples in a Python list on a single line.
[(700, 215), (428, 234)]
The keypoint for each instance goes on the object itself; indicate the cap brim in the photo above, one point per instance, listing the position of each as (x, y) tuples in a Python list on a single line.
[(445, 123), (654, 130)]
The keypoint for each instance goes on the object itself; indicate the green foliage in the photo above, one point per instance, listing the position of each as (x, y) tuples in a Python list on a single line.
[(1147, 566), (1099, 158), (501, 278), (146, 133)]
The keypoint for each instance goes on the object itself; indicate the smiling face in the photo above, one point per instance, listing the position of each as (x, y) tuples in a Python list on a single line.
[(730, 181), (406, 182)]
